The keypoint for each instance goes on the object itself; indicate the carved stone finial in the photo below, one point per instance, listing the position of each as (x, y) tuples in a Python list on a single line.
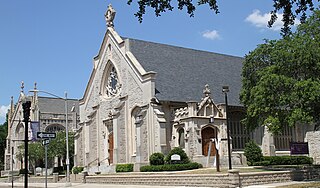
[(22, 86), (206, 90), (109, 16)]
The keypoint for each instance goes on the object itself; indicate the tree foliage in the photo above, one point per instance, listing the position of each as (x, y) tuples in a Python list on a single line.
[(291, 9), (3, 138), (35, 153), (57, 146), (281, 83)]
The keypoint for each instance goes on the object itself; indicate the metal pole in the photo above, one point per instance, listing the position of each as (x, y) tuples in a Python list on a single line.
[(228, 131), (46, 161), (12, 166), (67, 143), (26, 114)]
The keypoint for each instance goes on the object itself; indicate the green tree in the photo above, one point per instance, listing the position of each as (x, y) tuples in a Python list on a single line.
[(57, 146), (3, 138), (291, 9), (35, 153), (281, 83)]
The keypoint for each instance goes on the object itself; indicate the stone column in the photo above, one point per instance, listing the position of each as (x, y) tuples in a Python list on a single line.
[(84, 175), (55, 177), (234, 178)]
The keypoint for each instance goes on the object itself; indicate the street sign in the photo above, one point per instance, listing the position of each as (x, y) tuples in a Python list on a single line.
[(45, 142), (45, 135)]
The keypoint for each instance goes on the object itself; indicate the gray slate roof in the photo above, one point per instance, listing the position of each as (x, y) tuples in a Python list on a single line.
[(56, 105), (182, 73)]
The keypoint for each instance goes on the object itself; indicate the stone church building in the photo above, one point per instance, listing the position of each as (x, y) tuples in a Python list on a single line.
[(144, 97), (47, 114)]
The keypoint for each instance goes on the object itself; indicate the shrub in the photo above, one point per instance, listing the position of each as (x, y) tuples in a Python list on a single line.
[(59, 169), (156, 159), (124, 167), (288, 160), (170, 167), (253, 152), (77, 169), (178, 151), (23, 171)]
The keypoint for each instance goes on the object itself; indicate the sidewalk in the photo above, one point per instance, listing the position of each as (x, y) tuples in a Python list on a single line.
[(94, 185), (91, 185)]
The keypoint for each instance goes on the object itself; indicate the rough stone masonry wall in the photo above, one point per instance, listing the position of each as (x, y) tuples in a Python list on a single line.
[(313, 138)]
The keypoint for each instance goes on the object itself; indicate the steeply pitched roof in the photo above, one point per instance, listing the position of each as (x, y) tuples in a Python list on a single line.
[(182, 73), (56, 105)]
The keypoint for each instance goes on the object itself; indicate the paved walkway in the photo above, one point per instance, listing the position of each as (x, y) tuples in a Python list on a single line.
[(81, 185), (91, 185)]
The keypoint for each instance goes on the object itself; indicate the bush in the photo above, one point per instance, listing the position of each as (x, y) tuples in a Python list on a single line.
[(124, 167), (170, 167), (178, 151), (77, 169), (253, 152), (156, 159), (23, 171), (58, 169)]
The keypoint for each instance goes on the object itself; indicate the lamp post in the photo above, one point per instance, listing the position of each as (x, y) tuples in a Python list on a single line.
[(225, 90), (68, 183), (26, 104)]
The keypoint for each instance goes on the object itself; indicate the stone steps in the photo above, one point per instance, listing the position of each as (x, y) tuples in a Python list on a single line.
[(164, 180)]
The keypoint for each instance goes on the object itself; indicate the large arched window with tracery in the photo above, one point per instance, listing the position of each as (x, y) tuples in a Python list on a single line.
[(111, 83), (55, 128)]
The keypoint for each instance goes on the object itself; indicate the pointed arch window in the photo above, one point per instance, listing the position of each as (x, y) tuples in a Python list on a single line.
[(181, 138), (112, 84)]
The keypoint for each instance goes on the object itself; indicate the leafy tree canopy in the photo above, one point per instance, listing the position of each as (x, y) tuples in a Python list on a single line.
[(3, 138), (291, 9), (57, 146), (281, 83)]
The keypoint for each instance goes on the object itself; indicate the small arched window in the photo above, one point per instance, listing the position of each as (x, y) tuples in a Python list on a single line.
[(181, 138)]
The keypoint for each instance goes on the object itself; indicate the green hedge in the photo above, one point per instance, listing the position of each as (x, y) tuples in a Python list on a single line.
[(124, 167), (283, 160), (170, 167), (77, 169)]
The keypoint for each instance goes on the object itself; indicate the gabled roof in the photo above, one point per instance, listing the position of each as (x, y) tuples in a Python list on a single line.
[(56, 105), (182, 73)]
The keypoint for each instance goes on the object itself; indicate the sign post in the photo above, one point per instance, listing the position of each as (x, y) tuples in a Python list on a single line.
[(45, 143), (46, 136)]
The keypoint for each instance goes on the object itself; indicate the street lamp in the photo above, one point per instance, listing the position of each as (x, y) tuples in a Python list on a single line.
[(68, 183), (225, 90), (26, 105)]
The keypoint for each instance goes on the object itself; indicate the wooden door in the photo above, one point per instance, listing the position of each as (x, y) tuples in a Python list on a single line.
[(208, 134), (110, 150)]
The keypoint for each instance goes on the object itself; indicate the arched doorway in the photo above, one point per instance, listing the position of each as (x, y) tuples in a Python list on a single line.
[(110, 150), (207, 134)]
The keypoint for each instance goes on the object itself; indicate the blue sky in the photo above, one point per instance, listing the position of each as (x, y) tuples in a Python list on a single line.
[(53, 42)]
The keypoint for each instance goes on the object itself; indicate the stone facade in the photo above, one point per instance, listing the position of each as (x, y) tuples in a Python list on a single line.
[(313, 138), (138, 101), (48, 113)]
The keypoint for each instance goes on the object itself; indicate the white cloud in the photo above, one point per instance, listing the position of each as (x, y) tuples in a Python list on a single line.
[(3, 112), (212, 35), (261, 20)]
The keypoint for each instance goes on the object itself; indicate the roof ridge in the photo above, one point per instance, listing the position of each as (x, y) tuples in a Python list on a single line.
[(182, 47)]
